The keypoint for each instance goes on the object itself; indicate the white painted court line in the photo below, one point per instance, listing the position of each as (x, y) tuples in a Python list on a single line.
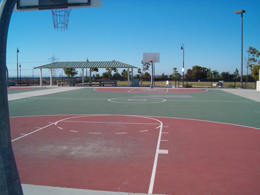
[(95, 133), (136, 100), (130, 90), (60, 128), (143, 131), (163, 151), (32, 132), (165, 132), (118, 133), (73, 131), (150, 191)]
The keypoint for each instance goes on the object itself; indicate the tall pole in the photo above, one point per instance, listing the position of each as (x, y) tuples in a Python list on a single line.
[(151, 75), (182, 47), (241, 79), (17, 51), (9, 179), (20, 73), (241, 12)]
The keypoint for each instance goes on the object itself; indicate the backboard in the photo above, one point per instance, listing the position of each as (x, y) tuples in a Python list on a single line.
[(34, 5), (154, 57)]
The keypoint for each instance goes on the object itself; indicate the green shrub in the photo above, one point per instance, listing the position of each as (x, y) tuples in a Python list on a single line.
[(186, 85)]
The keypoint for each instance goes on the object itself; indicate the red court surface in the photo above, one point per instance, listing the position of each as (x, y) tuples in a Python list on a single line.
[(148, 90), (137, 154)]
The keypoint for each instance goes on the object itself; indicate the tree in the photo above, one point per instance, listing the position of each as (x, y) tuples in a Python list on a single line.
[(124, 73), (162, 76), (225, 75), (146, 65), (94, 70), (116, 75), (197, 72), (147, 75), (109, 72), (139, 71), (253, 55), (175, 74), (215, 74), (253, 59), (255, 72), (105, 75), (70, 72), (236, 74)]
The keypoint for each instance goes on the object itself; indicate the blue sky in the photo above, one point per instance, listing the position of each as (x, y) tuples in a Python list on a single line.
[(123, 30)]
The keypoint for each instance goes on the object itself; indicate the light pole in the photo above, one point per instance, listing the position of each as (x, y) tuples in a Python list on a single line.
[(241, 12), (182, 48), (17, 51), (20, 73)]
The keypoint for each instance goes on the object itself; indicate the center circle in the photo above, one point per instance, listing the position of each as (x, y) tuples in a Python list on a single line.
[(136, 100)]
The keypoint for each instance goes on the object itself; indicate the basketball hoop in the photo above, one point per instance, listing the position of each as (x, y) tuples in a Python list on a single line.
[(60, 18)]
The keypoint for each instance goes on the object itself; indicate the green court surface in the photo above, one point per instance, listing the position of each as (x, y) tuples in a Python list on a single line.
[(212, 105)]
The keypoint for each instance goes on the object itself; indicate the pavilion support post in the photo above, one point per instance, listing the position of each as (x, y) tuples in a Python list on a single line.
[(40, 77), (82, 76), (132, 76), (128, 77), (50, 76), (90, 77)]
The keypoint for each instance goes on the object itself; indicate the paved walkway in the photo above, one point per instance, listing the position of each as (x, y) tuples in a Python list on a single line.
[(43, 190), (17, 96), (246, 93)]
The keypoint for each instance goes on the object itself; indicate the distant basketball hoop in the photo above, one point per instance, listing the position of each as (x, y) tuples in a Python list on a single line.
[(152, 58), (60, 18)]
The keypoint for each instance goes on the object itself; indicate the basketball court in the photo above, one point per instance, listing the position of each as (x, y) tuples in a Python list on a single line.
[(82, 140), (129, 140)]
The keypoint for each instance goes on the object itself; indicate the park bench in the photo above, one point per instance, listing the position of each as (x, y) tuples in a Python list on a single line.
[(62, 82), (110, 82)]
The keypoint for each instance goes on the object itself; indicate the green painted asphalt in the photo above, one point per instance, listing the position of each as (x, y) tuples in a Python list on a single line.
[(212, 105)]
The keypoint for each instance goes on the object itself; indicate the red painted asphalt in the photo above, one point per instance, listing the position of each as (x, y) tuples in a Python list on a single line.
[(116, 153)]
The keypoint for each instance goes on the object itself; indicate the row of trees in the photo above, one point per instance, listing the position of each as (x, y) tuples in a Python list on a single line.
[(202, 73), (195, 73), (71, 72)]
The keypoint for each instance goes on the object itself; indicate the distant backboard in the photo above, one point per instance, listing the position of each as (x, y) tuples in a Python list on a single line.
[(33, 5), (148, 57)]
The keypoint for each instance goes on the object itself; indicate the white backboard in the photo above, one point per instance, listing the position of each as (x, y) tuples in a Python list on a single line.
[(155, 57), (34, 5)]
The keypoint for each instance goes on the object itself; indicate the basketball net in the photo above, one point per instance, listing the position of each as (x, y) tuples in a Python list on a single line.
[(60, 18)]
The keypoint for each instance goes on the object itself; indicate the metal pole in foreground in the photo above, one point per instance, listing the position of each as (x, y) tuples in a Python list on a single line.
[(241, 12), (9, 179)]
